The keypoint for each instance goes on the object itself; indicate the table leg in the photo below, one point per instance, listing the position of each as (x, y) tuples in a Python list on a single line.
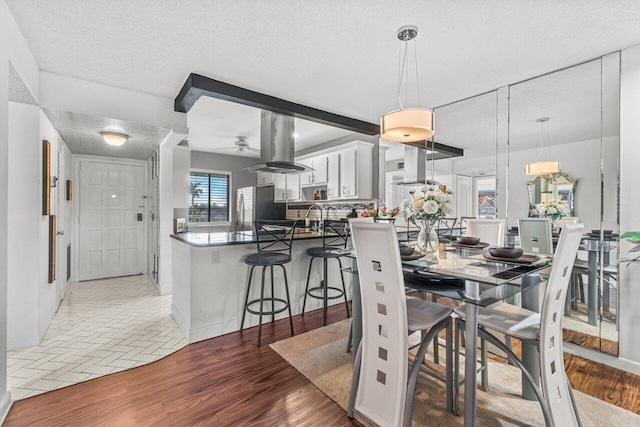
[(530, 359), (592, 289), (356, 310), (606, 289), (472, 290)]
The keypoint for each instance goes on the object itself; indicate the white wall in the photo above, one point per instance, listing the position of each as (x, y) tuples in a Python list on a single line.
[(240, 177), (629, 285), (6, 21), (25, 215)]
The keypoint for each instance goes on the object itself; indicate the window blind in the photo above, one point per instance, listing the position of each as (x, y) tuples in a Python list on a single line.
[(209, 197)]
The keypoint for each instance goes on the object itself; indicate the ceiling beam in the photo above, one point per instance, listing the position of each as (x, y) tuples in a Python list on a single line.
[(198, 85)]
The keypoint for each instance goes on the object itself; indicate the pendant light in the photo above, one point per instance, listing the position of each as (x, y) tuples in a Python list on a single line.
[(546, 167), (407, 125)]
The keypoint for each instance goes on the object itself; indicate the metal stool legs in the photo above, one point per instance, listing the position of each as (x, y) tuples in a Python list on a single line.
[(272, 299), (325, 289)]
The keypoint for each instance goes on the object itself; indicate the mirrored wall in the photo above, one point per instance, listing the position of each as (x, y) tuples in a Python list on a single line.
[(569, 117)]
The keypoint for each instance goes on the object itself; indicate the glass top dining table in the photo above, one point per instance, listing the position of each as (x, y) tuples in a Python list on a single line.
[(466, 275)]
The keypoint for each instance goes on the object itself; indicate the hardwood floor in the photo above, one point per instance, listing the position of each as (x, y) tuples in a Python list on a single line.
[(228, 381), (219, 382)]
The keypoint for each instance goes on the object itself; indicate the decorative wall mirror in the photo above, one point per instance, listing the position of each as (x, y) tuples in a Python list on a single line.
[(550, 187)]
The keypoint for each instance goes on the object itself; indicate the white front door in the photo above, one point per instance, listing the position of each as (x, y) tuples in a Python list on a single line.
[(111, 220)]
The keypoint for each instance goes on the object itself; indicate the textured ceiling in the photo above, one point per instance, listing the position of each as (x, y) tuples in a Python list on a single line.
[(336, 55), (81, 134), (215, 124)]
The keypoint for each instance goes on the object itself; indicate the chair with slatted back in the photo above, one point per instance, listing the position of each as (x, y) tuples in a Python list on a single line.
[(543, 330), (381, 390), (335, 235), (490, 231), (274, 241)]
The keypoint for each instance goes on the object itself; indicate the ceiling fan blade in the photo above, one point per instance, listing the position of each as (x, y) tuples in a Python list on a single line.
[(255, 150), (225, 148)]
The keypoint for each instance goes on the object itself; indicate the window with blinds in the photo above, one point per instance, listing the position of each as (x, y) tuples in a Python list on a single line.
[(208, 197)]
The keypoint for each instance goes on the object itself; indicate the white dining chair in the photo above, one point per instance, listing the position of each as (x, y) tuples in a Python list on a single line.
[(535, 236), (544, 330), (489, 231), (381, 390), (561, 222)]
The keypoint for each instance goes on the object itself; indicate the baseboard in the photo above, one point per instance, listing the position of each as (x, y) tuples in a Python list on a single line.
[(181, 321), (44, 327), (23, 343), (5, 406), (212, 330)]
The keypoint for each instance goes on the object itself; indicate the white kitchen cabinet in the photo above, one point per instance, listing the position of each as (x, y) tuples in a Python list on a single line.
[(306, 179), (286, 188), (265, 179), (333, 178), (320, 164), (349, 173)]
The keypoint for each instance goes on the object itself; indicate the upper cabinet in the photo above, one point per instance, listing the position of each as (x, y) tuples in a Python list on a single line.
[(346, 171), (306, 179), (333, 179), (286, 188), (265, 179), (321, 165)]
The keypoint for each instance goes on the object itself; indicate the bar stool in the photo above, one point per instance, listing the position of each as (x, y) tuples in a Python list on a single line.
[(335, 234), (274, 241)]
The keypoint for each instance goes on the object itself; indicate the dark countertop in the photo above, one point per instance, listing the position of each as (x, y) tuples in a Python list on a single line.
[(204, 240)]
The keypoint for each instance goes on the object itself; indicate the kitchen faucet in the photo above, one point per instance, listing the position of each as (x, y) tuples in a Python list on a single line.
[(316, 207), (328, 208)]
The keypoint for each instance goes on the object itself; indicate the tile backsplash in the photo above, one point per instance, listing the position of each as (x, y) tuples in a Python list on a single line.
[(332, 209)]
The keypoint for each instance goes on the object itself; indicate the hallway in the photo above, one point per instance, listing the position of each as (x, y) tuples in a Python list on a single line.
[(101, 327)]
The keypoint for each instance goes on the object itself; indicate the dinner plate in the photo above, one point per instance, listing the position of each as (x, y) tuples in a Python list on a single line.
[(478, 245), (524, 259), (414, 256)]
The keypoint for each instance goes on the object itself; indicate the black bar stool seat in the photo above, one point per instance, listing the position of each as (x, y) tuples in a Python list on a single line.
[(326, 252), (274, 241), (267, 259)]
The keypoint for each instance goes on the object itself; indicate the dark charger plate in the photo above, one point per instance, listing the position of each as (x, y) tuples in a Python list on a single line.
[(524, 259), (413, 256), (479, 245)]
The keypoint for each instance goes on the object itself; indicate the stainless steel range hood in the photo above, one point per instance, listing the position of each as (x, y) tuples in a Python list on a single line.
[(277, 145), (415, 163)]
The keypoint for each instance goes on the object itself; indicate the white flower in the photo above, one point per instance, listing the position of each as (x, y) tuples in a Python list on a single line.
[(552, 210), (431, 207), (405, 203), (440, 196), (417, 204)]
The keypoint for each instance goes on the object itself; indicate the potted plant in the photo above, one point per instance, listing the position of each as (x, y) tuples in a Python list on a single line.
[(633, 237)]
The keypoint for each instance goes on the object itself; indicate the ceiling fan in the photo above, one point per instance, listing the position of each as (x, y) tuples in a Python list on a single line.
[(241, 145)]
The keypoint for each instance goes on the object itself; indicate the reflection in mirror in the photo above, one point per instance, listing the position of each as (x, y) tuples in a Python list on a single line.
[(470, 124), (545, 188), (583, 137)]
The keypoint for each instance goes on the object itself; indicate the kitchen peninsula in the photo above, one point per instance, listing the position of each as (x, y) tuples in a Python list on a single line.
[(209, 280)]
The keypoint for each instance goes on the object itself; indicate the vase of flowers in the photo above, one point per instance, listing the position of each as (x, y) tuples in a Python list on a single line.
[(554, 210), (424, 210)]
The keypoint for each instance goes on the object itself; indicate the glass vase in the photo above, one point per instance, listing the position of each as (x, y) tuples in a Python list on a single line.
[(428, 238)]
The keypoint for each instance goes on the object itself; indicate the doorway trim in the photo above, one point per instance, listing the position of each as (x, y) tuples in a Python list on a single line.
[(77, 160)]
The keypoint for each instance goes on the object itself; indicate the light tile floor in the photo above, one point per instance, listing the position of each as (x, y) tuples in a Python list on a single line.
[(101, 327)]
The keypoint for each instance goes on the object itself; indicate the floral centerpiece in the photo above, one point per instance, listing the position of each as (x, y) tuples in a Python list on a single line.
[(384, 214), (554, 210), (424, 210)]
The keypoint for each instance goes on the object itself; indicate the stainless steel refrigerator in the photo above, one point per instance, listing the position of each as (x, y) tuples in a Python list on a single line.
[(255, 203)]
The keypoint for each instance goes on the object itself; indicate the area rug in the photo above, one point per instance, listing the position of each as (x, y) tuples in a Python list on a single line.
[(320, 356)]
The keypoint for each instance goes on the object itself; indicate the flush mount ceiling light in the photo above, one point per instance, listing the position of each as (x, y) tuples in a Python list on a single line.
[(407, 125), (114, 138), (543, 167)]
